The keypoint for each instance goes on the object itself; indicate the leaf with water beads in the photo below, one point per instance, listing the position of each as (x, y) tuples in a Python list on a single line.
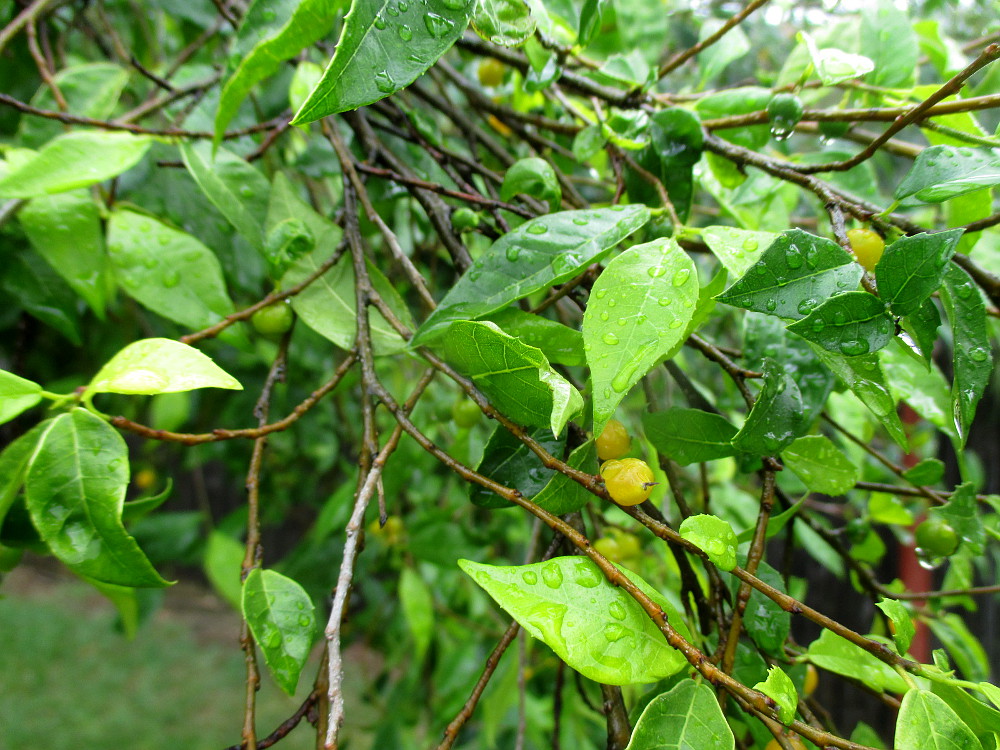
[(793, 276), (592, 625), (852, 323)]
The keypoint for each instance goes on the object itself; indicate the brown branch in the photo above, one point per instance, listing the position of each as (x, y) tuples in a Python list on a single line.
[(682, 57)]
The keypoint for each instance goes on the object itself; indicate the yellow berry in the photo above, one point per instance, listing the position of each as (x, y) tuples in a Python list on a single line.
[(867, 246), (145, 478), (629, 480), (792, 739), (491, 72), (613, 442), (609, 547), (811, 681)]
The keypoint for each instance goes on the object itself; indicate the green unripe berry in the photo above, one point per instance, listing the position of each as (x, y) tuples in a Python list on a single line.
[(833, 128), (629, 481), (613, 442), (465, 413), (491, 72), (784, 111), (610, 548), (936, 538), (273, 320), (464, 219), (867, 246)]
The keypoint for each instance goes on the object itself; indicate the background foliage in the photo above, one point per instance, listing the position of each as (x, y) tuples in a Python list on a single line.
[(365, 225)]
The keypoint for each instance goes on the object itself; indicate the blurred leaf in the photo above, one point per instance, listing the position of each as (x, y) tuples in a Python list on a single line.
[(562, 494), (91, 90), (903, 628), (833, 65), (223, 561), (534, 177), (888, 38), (926, 473), (14, 460), (923, 388), (765, 621), (417, 603), (31, 282), (508, 23), (720, 55), (595, 627), (737, 249), (836, 654), (821, 465)]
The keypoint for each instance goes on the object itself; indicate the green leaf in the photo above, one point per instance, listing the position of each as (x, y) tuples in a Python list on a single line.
[(223, 565), (765, 621), (912, 268), (32, 283), (153, 366), (765, 337), (563, 495), (776, 417), (541, 252), (516, 377), (836, 654), (834, 65), (590, 20), (943, 172), (923, 387), (676, 142), (864, 376), (638, 309), (282, 619), (821, 465), (889, 39), (166, 270), (232, 185), (65, 229), (74, 160), (886, 508), (902, 623), (75, 489), (737, 249), (14, 461), (139, 508), (926, 722), (714, 536), (926, 473), (738, 101), (508, 23), (717, 57), (961, 513), (851, 323), (561, 344), (270, 33), (775, 523), (510, 462), (91, 90), (417, 603), (532, 176), (796, 272), (923, 328), (983, 720), (329, 305), (689, 436), (593, 626), (688, 716), (16, 395), (383, 49), (971, 353), (964, 647), (779, 687)]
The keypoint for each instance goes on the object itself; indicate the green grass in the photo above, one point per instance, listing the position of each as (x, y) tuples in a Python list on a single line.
[(69, 681)]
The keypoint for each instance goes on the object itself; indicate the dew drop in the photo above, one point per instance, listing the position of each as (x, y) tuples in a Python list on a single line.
[(404, 33), (453, 4), (681, 277), (403, 6), (437, 25), (537, 229), (675, 324), (806, 306), (585, 575), (391, 11), (622, 321), (384, 82), (979, 354), (379, 22), (854, 347), (605, 316), (750, 244), (304, 621), (656, 271), (793, 256), (581, 222), (552, 575), (664, 301), (617, 610), (771, 304), (610, 339), (513, 253), (171, 279), (615, 632), (601, 293), (530, 577)]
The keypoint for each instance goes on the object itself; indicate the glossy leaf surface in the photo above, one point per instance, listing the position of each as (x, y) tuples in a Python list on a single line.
[(541, 252), (151, 366), (776, 417), (595, 627), (16, 395), (778, 686), (836, 654), (560, 343), (765, 621), (689, 436), (687, 716), (75, 490), (737, 249), (851, 323), (912, 268), (516, 377), (926, 722), (282, 619), (562, 494), (714, 536), (793, 275), (511, 463), (638, 310), (903, 628), (74, 160), (384, 47), (943, 172)]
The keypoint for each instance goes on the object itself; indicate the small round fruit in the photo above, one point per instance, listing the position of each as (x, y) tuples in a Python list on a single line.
[(465, 413), (629, 480), (792, 739), (491, 72), (785, 110), (273, 320), (833, 128), (613, 442), (867, 246), (145, 478), (609, 547), (936, 538), (464, 219), (811, 681)]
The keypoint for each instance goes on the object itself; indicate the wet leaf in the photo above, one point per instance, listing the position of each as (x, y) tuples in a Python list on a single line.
[(851, 323)]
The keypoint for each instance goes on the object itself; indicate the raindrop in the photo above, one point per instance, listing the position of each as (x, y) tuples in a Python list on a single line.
[(171, 279), (513, 252), (793, 256), (537, 229), (391, 11), (615, 632), (750, 244), (605, 316), (681, 277), (530, 577), (664, 301), (403, 6), (404, 33), (437, 25), (617, 610), (771, 304), (622, 321), (675, 324), (854, 347), (580, 222), (384, 82), (839, 318), (586, 576), (806, 306), (552, 575), (656, 271), (452, 4), (380, 23), (979, 354), (601, 293), (610, 339), (304, 621), (246, 191)]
